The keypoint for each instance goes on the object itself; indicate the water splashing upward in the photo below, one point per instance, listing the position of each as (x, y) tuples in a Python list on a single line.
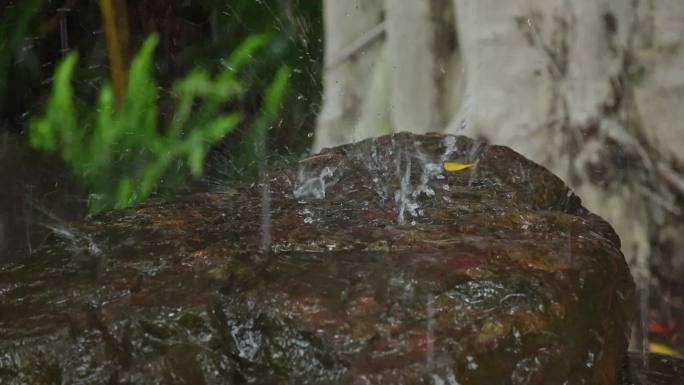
[(404, 195), (312, 187), (396, 168), (83, 249), (407, 195), (82, 246)]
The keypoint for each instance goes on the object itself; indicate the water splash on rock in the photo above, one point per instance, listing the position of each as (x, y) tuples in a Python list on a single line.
[(313, 186)]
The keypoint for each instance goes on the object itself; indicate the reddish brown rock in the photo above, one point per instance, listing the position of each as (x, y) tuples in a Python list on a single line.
[(373, 266)]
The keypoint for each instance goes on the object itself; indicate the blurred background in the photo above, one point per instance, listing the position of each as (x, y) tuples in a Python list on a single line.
[(40, 182), (104, 104)]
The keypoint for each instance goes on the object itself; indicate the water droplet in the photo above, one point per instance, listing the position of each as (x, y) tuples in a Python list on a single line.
[(470, 362), (590, 359)]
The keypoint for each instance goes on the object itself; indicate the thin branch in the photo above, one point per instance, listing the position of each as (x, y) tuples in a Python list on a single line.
[(659, 200), (354, 47), (672, 176), (115, 48)]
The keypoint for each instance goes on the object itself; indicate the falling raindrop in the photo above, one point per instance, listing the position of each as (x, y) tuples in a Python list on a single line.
[(470, 363), (430, 313), (63, 32)]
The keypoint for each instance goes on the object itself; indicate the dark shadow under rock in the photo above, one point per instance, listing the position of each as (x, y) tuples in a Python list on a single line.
[(365, 264)]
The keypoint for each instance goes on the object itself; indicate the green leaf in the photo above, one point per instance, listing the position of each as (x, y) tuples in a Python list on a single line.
[(246, 50), (139, 111), (122, 156), (220, 127), (124, 194), (276, 93), (58, 129)]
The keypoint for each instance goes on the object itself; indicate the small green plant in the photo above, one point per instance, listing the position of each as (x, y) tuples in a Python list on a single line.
[(122, 156)]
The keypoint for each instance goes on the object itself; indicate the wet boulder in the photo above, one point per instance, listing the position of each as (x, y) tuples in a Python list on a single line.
[(406, 259)]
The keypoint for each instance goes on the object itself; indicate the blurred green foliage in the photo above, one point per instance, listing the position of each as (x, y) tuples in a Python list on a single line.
[(297, 30), (35, 36), (196, 33), (122, 156)]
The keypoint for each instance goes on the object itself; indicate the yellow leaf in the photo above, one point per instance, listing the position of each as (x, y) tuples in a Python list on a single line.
[(654, 347), (455, 166)]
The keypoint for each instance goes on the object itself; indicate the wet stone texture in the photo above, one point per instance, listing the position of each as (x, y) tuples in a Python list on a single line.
[(365, 264)]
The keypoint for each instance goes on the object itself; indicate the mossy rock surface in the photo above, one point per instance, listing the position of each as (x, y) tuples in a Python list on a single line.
[(364, 264)]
